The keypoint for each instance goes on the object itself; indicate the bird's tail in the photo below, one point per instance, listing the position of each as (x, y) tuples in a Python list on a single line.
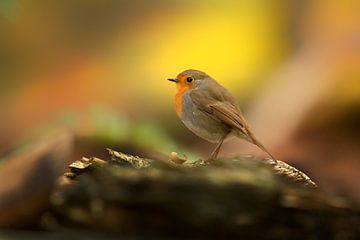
[(261, 146), (247, 133)]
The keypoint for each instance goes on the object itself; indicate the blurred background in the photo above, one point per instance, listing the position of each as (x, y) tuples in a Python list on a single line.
[(99, 68)]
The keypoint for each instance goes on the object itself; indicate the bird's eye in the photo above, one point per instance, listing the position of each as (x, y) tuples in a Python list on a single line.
[(189, 79)]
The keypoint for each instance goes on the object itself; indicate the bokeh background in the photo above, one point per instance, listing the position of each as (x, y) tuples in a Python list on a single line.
[(99, 67)]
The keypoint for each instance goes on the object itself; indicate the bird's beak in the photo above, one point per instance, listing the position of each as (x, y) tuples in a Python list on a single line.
[(173, 80)]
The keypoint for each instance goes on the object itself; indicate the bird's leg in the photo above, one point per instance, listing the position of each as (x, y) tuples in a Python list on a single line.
[(216, 151)]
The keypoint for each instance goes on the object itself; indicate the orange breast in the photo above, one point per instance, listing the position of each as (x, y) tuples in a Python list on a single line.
[(178, 103), (179, 100)]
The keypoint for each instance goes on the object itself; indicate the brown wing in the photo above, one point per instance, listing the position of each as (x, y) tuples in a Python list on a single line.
[(222, 107), (229, 115)]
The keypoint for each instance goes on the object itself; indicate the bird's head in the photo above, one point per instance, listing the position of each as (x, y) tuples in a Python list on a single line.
[(189, 79)]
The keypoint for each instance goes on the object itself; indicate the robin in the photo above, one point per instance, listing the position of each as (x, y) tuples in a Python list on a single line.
[(210, 111)]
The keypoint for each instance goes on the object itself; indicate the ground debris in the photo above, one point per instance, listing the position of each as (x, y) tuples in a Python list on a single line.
[(292, 174), (122, 158), (225, 198)]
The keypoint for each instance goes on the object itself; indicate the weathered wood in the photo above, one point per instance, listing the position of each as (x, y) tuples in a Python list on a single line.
[(242, 197)]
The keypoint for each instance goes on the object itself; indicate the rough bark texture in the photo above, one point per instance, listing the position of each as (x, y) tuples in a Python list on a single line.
[(242, 197)]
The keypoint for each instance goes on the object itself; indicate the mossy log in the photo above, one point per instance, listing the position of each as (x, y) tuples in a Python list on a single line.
[(241, 197)]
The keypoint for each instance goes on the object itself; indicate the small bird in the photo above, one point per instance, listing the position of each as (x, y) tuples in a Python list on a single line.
[(210, 111)]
